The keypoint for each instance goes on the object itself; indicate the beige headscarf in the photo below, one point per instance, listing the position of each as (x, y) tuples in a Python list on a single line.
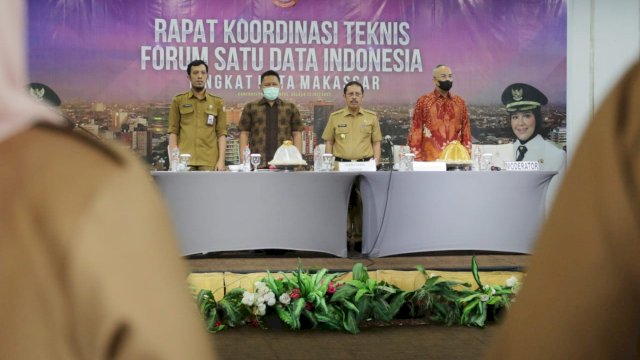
[(18, 110)]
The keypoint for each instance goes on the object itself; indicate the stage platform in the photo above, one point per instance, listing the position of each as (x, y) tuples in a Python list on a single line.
[(247, 262)]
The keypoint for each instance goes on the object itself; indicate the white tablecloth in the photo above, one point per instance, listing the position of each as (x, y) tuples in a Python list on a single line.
[(224, 211), (436, 211)]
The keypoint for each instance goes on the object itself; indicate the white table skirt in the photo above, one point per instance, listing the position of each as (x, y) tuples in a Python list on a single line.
[(438, 211), (225, 211)]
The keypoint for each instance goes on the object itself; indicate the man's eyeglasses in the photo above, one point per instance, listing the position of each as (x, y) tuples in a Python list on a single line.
[(445, 77)]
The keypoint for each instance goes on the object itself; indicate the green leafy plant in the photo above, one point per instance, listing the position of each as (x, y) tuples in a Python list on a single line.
[(315, 299), (436, 300), (365, 299), (303, 296), (477, 303)]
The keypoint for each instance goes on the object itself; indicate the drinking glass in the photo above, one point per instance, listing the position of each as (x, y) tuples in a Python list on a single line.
[(487, 161), (255, 161), (407, 162), (183, 165), (327, 162)]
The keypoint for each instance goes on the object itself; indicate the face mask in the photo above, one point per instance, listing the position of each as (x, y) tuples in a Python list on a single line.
[(271, 93), (445, 85)]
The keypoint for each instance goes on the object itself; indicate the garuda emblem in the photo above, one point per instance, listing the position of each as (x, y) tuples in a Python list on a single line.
[(517, 94), (37, 93)]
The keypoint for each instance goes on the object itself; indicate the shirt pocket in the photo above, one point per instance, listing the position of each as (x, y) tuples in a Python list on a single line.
[(366, 128), (187, 114), (342, 130), (211, 112)]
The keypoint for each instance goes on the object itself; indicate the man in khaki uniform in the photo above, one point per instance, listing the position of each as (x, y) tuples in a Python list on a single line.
[(353, 133), (89, 266), (198, 123)]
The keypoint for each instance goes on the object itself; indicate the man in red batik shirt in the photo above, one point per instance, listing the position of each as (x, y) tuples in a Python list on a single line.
[(439, 118)]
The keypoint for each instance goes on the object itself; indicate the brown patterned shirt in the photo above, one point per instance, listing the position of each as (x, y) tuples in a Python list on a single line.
[(255, 119)]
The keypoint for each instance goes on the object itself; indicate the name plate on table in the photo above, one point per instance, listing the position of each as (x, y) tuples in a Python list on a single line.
[(357, 166), (522, 165), (429, 166)]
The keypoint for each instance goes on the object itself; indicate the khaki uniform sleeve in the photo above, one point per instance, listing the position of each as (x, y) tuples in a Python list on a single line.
[(128, 282), (221, 124), (328, 133), (174, 117), (377, 133), (579, 300)]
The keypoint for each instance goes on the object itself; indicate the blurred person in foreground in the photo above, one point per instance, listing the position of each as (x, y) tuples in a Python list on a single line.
[(580, 297), (89, 267)]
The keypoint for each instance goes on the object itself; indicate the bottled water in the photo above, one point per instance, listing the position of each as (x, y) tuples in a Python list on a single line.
[(317, 159), (477, 158), (247, 158), (174, 159)]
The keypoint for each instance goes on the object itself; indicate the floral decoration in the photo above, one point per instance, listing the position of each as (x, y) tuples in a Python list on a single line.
[(317, 300)]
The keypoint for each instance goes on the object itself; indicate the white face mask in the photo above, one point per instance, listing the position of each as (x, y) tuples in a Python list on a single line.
[(271, 93)]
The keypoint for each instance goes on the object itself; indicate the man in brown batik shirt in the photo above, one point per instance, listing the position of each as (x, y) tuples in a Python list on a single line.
[(267, 122)]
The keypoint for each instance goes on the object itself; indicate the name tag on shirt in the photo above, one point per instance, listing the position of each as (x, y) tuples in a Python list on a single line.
[(211, 120), (522, 165)]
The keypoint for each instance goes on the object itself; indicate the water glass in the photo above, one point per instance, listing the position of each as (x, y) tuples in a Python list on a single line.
[(406, 162), (327, 162), (487, 161), (255, 161), (183, 164)]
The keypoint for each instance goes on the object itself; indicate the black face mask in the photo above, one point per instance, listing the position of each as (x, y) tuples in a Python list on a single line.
[(445, 85)]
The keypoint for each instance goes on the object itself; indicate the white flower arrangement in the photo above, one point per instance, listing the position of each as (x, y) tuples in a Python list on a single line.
[(259, 300)]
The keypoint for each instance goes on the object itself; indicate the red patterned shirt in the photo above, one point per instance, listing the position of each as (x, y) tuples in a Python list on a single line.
[(438, 120)]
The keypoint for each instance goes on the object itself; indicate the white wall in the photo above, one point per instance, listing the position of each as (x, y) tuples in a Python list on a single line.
[(603, 40)]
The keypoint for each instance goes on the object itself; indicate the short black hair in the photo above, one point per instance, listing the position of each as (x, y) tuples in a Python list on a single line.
[(197, 63), (353, 82), (269, 73)]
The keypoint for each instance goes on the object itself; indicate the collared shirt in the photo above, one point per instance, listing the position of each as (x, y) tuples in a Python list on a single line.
[(198, 123), (550, 158), (438, 120), (353, 135), (254, 120)]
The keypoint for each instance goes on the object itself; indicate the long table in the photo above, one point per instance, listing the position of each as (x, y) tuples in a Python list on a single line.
[(407, 212), (225, 211)]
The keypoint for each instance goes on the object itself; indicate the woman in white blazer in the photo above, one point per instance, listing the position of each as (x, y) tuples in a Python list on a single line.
[(524, 104)]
